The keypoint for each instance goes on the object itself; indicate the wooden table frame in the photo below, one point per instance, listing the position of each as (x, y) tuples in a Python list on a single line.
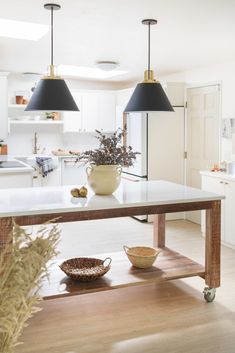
[(211, 273)]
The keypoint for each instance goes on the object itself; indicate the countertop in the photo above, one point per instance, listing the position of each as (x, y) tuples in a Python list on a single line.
[(49, 200), (221, 175), (25, 169), (27, 160)]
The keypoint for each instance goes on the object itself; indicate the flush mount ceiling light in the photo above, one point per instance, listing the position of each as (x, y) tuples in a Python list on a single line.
[(88, 72), (107, 65), (148, 95), (31, 76), (22, 30), (51, 92)]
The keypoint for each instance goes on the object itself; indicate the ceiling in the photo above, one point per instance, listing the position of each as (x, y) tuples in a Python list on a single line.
[(189, 34)]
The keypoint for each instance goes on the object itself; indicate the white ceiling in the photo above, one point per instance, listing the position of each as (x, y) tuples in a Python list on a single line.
[(189, 34)]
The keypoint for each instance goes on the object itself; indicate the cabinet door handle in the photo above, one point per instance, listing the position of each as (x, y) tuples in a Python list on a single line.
[(221, 182), (226, 183)]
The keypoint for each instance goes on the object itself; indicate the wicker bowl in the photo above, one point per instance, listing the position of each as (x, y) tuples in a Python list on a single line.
[(85, 269), (141, 256)]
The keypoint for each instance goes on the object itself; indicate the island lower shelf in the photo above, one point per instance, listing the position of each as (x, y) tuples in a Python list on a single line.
[(168, 266)]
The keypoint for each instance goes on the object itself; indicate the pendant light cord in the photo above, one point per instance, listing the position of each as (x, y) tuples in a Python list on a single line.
[(52, 39), (149, 51)]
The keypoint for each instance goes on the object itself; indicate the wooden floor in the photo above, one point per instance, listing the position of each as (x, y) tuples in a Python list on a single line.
[(171, 317)]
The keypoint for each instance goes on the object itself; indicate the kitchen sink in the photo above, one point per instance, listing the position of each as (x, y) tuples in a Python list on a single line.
[(11, 164), (31, 159)]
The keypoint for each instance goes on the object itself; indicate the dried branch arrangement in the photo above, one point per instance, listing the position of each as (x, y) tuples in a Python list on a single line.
[(20, 280), (111, 151)]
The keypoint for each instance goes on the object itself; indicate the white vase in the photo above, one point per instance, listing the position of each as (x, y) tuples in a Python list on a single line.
[(104, 179)]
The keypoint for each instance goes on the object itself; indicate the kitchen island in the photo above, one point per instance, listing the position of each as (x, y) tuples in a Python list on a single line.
[(39, 205)]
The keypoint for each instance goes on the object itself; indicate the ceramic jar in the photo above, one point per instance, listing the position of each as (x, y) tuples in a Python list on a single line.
[(104, 179)]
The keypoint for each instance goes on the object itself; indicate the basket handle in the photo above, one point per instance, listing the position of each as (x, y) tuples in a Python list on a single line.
[(126, 248), (107, 259)]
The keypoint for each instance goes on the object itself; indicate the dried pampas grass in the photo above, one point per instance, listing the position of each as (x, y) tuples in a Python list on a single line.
[(20, 278)]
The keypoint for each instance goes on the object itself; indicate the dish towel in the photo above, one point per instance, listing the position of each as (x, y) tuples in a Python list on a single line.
[(45, 165)]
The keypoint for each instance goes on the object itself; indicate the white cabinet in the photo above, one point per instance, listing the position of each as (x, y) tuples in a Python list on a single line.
[(223, 187), (73, 120), (73, 173), (97, 112), (107, 111), (3, 106), (90, 114), (15, 180)]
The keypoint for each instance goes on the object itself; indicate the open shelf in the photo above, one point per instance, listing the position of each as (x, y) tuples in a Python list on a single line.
[(169, 265), (17, 106), (38, 122)]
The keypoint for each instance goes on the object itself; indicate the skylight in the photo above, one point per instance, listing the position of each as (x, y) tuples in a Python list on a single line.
[(87, 72), (22, 30)]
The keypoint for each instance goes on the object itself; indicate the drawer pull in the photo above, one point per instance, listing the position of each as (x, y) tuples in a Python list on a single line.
[(221, 182)]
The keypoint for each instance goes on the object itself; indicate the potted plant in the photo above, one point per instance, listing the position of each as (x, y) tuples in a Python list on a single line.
[(106, 162)]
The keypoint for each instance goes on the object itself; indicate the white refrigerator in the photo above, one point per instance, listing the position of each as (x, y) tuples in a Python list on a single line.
[(160, 138)]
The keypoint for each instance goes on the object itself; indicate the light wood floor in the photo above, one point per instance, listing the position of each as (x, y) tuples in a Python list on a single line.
[(168, 318)]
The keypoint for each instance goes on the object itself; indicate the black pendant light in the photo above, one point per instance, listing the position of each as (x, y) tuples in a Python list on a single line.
[(51, 92), (148, 95)]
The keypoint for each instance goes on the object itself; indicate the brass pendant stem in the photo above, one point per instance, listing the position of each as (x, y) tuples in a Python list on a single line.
[(149, 77), (52, 71), (52, 75)]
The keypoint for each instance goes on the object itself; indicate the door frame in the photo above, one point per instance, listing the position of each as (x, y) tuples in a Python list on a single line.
[(201, 85), (215, 83)]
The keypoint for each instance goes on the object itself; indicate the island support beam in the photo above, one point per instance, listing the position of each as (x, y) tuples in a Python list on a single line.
[(212, 254), (6, 228), (159, 230)]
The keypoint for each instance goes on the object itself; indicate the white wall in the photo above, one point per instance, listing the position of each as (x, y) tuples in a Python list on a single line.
[(223, 73)]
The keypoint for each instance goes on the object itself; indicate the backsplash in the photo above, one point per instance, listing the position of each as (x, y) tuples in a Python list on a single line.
[(20, 140)]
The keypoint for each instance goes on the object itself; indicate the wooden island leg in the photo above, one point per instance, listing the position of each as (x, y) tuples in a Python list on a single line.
[(6, 227), (213, 230), (159, 230)]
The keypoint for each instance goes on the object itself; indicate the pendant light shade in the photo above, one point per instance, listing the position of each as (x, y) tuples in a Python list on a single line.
[(148, 96), (51, 92)]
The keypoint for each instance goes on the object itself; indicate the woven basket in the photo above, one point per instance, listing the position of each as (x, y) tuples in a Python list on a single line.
[(85, 269), (141, 256)]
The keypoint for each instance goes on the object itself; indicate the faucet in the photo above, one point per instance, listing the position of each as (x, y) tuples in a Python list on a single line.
[(35, 144)]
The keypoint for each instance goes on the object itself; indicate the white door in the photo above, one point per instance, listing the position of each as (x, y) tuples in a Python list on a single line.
[(203, 104)]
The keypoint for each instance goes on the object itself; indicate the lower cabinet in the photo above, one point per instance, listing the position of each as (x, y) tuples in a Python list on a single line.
[(224, 187), (52, 179), (16, 180)]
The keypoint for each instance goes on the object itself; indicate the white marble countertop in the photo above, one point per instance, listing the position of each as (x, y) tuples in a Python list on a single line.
[(49, 200), (221, 175)]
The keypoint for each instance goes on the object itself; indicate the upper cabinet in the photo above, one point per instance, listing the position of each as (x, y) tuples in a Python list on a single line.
[(73, 120), (97, 111), (3, 106)]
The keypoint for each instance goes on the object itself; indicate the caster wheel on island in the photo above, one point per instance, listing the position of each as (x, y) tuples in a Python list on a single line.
[(209, 294)]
